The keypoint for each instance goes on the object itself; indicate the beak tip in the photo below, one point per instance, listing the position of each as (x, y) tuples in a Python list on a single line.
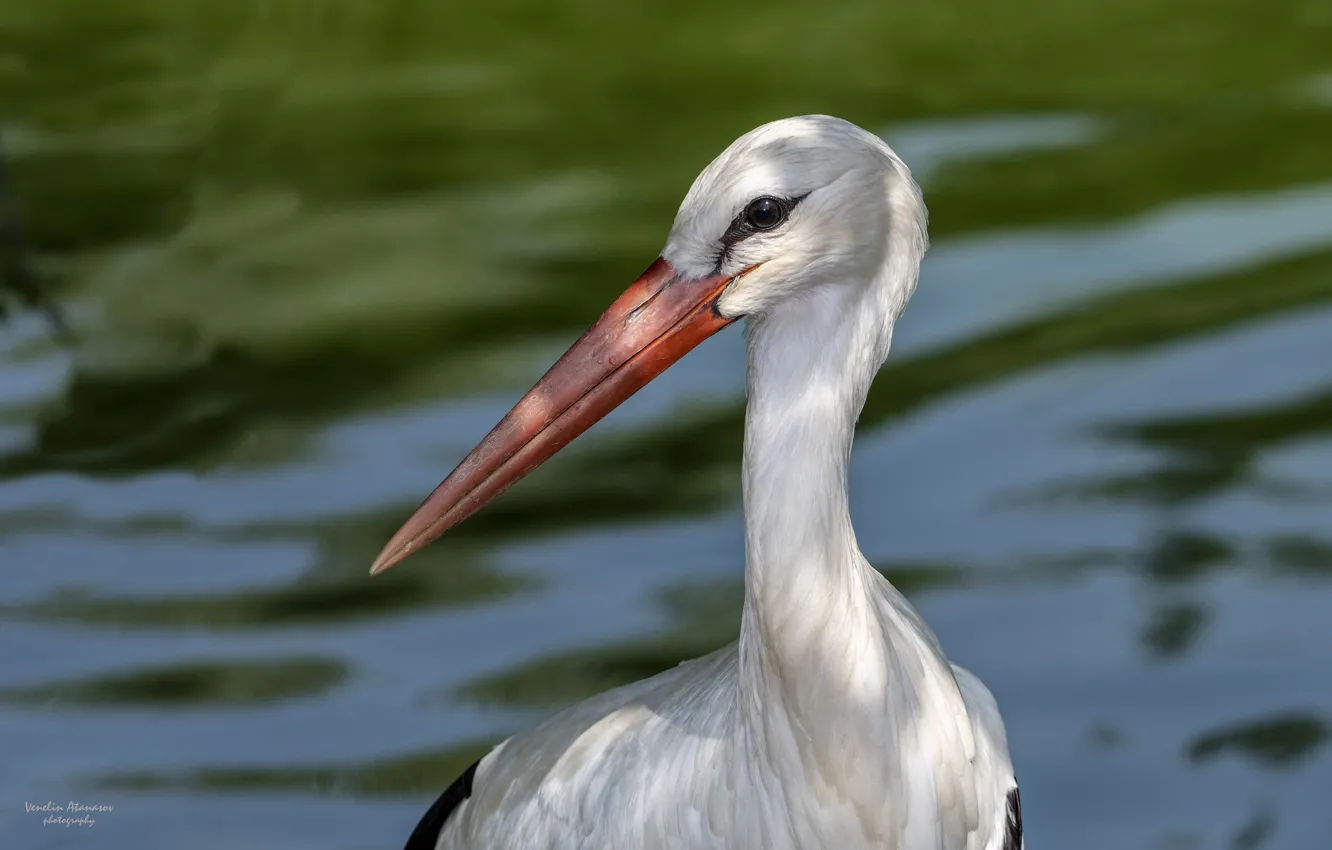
[(391, 555)]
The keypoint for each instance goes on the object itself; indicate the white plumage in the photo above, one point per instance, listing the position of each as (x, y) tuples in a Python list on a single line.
[(835, 721)]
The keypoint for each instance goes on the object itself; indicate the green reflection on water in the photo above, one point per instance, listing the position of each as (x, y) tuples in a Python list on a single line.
[(1207, 453), (1295, 554), (1174, 629), (1143, 161), (1180, 555), (1275, 741), (334, 589), (419, 773), (314, 601), (197, 683), (1255, 832)]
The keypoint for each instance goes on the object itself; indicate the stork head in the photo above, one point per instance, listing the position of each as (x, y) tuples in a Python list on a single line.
[(796, 207)]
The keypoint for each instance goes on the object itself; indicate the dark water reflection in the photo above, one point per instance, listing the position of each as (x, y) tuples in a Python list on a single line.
[(200, 682), (1274, 741), (312, 252)]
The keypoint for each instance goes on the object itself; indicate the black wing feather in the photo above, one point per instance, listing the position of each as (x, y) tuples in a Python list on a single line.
[(426, 834), (1013, 832)]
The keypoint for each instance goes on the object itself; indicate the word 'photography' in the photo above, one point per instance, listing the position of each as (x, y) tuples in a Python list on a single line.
[(70, 814)]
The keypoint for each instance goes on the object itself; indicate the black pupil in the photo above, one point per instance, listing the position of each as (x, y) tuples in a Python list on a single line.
[(765, 213)]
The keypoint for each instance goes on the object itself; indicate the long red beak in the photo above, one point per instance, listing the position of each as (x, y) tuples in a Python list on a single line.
[(657, 320)]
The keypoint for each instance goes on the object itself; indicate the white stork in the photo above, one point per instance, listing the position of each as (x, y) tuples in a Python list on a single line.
[(835, 721)]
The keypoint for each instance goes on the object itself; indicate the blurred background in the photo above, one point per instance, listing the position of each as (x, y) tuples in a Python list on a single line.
[(311, 251)]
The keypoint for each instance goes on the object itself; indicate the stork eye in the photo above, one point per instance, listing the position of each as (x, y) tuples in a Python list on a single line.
[(765, 213)]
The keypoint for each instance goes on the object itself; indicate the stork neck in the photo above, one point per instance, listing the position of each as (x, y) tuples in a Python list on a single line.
[(810, 368)]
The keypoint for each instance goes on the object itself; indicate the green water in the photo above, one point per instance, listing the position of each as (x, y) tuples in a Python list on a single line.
[(310, 251)]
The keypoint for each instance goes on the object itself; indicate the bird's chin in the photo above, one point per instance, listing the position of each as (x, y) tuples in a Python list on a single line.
[(752, 292), (764, 299)]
